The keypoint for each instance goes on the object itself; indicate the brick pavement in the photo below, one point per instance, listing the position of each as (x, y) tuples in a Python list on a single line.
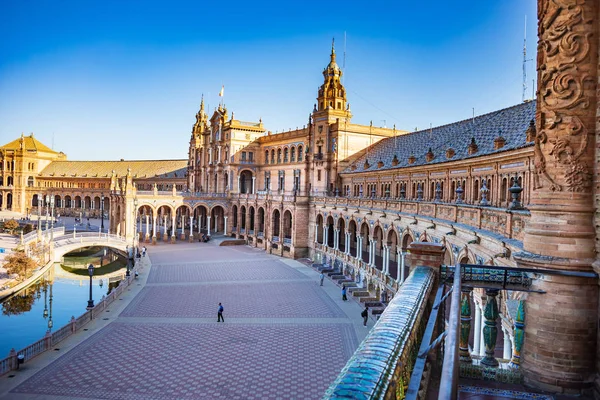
[(284, 337)]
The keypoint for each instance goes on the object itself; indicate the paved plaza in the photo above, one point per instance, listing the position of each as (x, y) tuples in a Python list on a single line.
[(284, 336)]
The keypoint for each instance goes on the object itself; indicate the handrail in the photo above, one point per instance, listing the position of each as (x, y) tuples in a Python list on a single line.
[(51, 339), (450, 367), (417, 375)]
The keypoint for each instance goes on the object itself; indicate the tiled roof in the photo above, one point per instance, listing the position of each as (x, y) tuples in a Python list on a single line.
[(103, 169), (510, 123), (29, 143)]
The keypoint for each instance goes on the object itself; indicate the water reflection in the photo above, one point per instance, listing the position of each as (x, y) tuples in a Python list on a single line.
[(57, 296)]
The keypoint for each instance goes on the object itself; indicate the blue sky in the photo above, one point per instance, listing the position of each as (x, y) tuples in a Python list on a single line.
[(115, 79)]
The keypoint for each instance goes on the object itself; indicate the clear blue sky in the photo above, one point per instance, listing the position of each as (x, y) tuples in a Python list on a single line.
[(123, 79)]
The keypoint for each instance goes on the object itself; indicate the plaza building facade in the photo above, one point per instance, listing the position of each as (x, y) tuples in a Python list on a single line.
[(513, 188)]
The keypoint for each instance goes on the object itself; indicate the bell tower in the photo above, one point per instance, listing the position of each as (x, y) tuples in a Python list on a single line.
[(331, 101)]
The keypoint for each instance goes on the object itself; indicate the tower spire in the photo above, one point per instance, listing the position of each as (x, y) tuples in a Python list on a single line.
[(202, 104), (332, 49)]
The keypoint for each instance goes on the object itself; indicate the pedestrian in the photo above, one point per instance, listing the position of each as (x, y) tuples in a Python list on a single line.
[(344, 293), (322, 276), (220, 313), (144, 251), (365, 315)]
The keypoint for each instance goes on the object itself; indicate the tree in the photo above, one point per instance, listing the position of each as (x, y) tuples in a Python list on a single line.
[(11, 225), (27, 228), (18, 263)]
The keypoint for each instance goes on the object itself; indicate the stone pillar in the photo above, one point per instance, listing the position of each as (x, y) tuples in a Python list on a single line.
[(386, 259), (348, 238), (316, 233), (465, 325), (490, 331), (325, 235), (358, 246), (208, 225), (402, 266), (561, 331), (165, 237), (191, 228), (426, 254), (154, 222), (225, 218), (147, 233), (199, 223), (173, 228), (182, 220), (336, 233), (506, 352), (239, 187), (477, 329), (253, 184), (480, 334), (373, 244)]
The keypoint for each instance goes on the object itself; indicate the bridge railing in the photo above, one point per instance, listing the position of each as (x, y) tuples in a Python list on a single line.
[(86, 237), (50, 340), (382, 364)]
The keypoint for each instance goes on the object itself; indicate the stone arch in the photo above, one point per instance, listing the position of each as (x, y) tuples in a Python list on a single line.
[(275, 223), (300, 153), (286, 154), (234, 217), (379, 238), (242, 219), (319, 227), (182, 220), (68, 202), (352, 231), (465, 256), (341, 226), (252, 216), (287, 225), (330, 227), (217, 220), (392, 242), (407, 239), (245, 177), (200, 212), (77, 201), (260, 220), (365, 233)]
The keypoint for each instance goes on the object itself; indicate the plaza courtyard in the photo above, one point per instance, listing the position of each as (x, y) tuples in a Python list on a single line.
[(284, 336)]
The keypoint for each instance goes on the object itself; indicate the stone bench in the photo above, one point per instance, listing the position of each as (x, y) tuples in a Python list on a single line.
[(232, 242), (360, 293), (367, 298)]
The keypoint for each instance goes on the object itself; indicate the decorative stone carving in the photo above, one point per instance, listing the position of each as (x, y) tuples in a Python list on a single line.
[(515, 190), (459, 193), (566, 75), (450, 153), (419, 192), (484, 192)]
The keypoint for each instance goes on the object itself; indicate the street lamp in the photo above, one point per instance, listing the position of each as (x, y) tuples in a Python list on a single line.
[(102, 212), (91, 273)]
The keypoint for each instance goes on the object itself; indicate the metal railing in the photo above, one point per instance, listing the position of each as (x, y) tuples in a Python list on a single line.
[(48, 342)]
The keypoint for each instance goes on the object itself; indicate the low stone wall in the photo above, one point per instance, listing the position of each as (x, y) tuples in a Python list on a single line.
[(232, 242)]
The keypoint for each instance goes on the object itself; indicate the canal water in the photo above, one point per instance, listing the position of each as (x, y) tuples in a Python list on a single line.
[(60, 294)]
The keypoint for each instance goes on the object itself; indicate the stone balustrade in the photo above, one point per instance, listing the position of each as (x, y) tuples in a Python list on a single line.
[(383, 362)]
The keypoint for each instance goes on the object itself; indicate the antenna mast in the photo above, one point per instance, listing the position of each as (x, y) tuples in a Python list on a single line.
[(344, 63), (525, 62)]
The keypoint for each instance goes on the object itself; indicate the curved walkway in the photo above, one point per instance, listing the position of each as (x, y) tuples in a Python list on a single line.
[(284, 336)]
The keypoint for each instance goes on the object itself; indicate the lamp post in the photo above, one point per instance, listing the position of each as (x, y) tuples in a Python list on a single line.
[(91, 273), (101, 212)]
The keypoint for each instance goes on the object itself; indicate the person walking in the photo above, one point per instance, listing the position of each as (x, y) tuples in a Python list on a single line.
[(365, 315), (220, 314), (344, 293), (322, 276), (144, 251)]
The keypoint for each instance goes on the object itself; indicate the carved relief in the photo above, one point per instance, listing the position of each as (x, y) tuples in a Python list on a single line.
[(564, 71)]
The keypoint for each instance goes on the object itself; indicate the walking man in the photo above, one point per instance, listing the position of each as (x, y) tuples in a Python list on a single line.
[(322, 276), (344, 293), (365, 315), (144, 251), (220, 314)]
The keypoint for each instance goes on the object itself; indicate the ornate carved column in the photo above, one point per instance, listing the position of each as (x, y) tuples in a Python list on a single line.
[(490, 331), (519, 334), (561, 332), (465, 325)]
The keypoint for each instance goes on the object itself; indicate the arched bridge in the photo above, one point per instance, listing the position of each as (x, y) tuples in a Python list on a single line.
[(67, 243)]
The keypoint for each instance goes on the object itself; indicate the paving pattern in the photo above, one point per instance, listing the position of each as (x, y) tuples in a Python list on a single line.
[(294, 350)]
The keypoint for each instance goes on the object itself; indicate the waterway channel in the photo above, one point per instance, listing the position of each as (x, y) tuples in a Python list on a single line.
[(63, 292)]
